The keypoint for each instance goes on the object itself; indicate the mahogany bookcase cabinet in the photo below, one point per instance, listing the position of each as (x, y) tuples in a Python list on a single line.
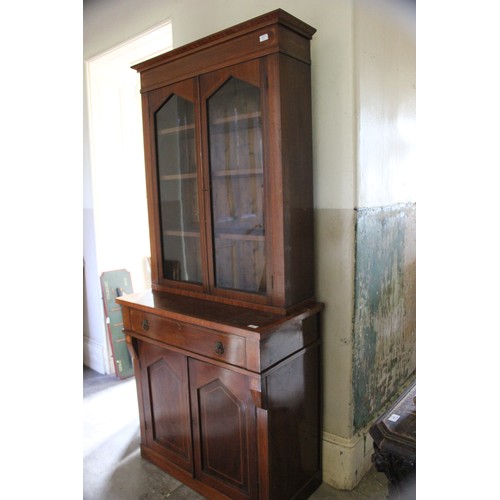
[(226, 345)]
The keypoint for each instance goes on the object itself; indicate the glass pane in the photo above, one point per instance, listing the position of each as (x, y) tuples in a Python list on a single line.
[(237, 184), (178, 190)]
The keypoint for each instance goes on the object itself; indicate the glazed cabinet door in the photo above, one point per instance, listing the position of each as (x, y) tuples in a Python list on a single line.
[(224, 430), (233, 102), (174, 186), (164, 378)]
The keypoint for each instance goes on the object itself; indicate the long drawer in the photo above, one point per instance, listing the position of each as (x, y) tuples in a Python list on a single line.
[(212, 344)]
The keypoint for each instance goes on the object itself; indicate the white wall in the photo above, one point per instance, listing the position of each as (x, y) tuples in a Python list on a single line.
[(94, 334), (385, 64)]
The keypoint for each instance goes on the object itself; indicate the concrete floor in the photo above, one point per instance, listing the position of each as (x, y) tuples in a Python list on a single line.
[(114, 470)]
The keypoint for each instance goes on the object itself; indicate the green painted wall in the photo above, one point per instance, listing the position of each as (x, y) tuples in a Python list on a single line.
[(384, 311)]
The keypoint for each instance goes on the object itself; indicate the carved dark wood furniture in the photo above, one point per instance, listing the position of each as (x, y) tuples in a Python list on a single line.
[(394, 443), (226, 346)]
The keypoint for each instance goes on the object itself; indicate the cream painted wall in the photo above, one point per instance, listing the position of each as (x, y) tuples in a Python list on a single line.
[(385, 64), (335, 233)]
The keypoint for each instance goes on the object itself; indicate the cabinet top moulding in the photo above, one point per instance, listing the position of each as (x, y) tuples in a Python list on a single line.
[(276, 31)]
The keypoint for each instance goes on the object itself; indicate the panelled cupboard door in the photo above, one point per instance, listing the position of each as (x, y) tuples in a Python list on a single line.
[(164, 378), (224, 430), (174, 186)]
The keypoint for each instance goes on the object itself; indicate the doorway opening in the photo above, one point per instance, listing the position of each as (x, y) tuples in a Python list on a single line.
[(115, 209)]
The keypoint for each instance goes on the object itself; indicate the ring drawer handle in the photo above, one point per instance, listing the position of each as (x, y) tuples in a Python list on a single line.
[(219, 348), (145, 325)]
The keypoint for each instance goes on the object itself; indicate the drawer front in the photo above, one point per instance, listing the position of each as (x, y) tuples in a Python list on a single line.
[(210, 343)]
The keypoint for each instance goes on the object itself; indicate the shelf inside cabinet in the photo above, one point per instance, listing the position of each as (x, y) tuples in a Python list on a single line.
[(175, 177), (188, 234), (237, 118), (175, 130), (238, 171), (240, 237)]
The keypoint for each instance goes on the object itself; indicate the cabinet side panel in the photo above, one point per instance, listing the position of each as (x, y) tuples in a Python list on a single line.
[(273, 183), (297, 171), (293, 400)]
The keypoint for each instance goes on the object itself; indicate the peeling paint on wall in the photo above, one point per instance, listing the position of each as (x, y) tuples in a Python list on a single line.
[(384, 314)]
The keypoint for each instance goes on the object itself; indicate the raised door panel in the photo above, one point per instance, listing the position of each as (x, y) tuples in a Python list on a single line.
[(166, 404), (224, 430)]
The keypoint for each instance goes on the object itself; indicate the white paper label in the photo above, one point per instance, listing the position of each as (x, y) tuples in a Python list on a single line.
[(263, 38), (394, 417)]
